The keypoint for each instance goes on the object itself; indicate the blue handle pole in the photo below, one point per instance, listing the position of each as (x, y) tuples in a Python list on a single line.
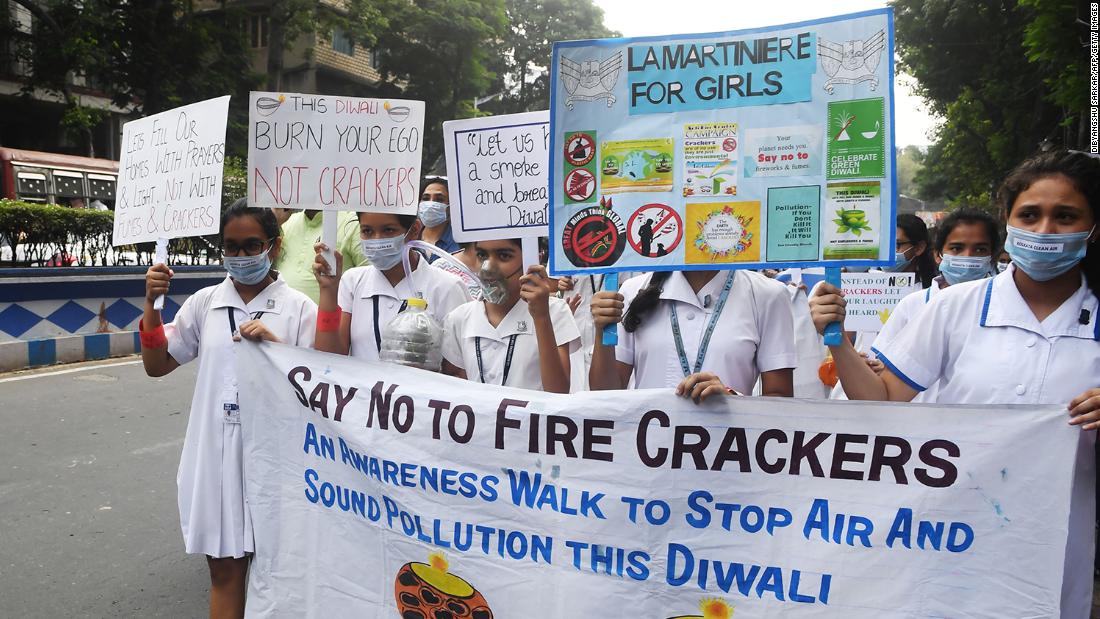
[(833, 330), (611, 332)]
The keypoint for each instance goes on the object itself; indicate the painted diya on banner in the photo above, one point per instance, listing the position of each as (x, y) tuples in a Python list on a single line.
[(429, 591)]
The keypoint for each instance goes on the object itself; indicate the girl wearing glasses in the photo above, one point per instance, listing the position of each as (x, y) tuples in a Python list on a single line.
[(252, 303)]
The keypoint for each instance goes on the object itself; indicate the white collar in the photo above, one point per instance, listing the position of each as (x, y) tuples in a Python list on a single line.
[(517, 321), (677, 288), (1004, 306), (268, 301)]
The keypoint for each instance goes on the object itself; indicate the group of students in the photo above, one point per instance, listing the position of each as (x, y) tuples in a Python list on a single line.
[(1028, 335)]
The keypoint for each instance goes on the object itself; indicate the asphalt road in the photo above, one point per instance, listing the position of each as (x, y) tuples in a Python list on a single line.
[(88, 518)]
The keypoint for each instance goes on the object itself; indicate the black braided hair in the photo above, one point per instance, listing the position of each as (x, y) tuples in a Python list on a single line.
[(647, 299)]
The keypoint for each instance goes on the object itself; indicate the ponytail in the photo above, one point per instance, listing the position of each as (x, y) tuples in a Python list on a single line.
[(645, 301)]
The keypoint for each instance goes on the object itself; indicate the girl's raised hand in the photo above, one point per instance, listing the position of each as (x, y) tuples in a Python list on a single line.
[(157, 279), (536, 288), (607, 308), (826, 306)]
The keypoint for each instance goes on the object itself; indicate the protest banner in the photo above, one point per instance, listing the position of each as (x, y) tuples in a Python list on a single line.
[(497, 175), (872, 297), (334, 153), (170, 174), (770, 147), (383, 491)]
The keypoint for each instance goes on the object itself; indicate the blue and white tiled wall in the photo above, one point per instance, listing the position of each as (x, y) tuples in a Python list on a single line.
[(35, 305)]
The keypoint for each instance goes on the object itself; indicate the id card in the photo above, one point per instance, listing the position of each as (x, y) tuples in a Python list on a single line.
[(231, 412)]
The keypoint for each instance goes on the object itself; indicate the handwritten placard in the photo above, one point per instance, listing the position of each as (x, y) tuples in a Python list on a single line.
[(497, 171), (334, 153), (872, 297), (170, 174)]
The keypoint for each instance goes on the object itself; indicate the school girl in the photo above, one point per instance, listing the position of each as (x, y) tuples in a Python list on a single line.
[(1030, 335), (357, 306), (696, 329), (252, 303), (966, 241), (519, 335), (913, 251)]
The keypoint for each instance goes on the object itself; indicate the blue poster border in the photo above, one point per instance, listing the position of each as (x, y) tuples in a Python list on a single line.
[(555, 147)]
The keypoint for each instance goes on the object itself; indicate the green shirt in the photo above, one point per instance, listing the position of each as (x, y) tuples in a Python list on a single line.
[(295, 262)]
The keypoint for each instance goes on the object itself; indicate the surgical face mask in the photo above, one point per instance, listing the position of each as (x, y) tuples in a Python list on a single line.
[(901, 261), (958, 269), (432, 213), (494, 283), (1046, 256), (384, 254), (248, 270), (1002, 266)]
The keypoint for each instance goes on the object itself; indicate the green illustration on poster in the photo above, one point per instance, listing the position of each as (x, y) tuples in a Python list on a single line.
[(852, 232), (857, 140)]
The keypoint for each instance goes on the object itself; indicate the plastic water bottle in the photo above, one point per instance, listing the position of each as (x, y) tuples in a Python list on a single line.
[(413, 338)]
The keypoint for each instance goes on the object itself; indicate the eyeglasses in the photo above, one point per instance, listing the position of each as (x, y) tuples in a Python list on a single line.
[(251, 247), (901, 244)]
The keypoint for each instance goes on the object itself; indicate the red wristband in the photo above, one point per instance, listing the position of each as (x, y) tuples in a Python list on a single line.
[(327, 322), (152, 339)]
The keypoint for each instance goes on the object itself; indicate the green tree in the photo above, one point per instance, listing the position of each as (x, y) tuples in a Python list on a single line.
[(910, 160), (438, 51), (522, 59), (993, 69), (146, 55)]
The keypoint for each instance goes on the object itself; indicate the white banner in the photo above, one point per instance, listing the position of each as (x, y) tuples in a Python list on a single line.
[(382, 491), (497, 173), (334, 153), (170, 174)]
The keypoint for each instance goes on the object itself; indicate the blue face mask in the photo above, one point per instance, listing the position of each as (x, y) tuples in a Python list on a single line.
[(384, 254), (901, 261), (958, 269), (1046, 256), (248, 270), (432, 213)]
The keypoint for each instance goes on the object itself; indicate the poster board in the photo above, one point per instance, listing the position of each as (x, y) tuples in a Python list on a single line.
[(334, 153), (770, 147), (497, 172), (170, 174)]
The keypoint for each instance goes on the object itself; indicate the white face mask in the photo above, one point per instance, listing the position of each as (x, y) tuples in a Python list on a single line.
[(384, 254), (432, 213)]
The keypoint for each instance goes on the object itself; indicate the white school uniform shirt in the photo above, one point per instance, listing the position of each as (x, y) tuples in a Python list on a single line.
[(754, 333), (213, 515), (979, 343), (362, 287), (466, 324)]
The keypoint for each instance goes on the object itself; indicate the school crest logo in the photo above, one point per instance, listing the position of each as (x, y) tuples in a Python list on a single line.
[(591, 79), (851, 62)]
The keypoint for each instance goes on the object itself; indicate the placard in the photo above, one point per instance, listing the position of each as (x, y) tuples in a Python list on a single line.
[(497, 174), (334, 153), (872, 297), (170, 174), (754, 139)]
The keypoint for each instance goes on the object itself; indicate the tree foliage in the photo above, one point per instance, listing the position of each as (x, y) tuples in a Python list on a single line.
[(1007, 77), (522, 57)]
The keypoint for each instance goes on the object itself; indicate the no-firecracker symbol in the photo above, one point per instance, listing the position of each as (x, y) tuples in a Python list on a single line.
[(594, 237), (580, 184), (655, 230), (580, 148)]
